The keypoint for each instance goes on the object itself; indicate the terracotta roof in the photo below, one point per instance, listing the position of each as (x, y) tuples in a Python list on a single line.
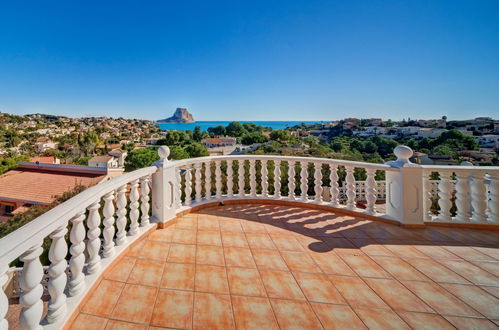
[(101, 159), (41, 186), (43, 159), (219, 140)]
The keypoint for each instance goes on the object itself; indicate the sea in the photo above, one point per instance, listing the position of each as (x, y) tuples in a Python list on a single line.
[(206, 124)]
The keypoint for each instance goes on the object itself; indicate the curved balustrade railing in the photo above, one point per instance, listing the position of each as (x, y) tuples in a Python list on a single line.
[(399, 190), (75, 227)]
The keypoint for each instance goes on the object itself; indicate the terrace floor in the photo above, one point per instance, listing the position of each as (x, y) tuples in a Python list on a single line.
[(270, 267)]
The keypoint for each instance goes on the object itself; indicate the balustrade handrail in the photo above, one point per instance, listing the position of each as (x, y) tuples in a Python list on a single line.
[(481, 169), (24, 237), (340, 162)]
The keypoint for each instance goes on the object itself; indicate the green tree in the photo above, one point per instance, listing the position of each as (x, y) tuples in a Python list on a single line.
[(235, 129), (217, 130), (197, 135), (255, 137), (196, 149), (177, 152), (139, 158)]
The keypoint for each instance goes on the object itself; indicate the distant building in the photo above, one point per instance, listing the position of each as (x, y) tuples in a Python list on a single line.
[(488, 141), (425, 159), (219, 142), (43, 144), (45, 160), (430, 132), (114, 159)]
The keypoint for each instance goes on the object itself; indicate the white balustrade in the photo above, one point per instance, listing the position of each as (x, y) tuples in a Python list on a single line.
[(240, 177), (350, 185), (494, 198), (207, 180), (57, 275), (334, 190), (4, 301), (252, 171), (76, 236), (230, 179), (108, 222), (277, 179), (32, 289), (478, 198), (304, 181), (188, 186), (134, 208), (318, 182), (445, 195), (463, 197), (265, 178), (291, 180), (121, 215), (371, 192), (94, 242), (178, 187), (218, 179), (197, 179), (144, 200)]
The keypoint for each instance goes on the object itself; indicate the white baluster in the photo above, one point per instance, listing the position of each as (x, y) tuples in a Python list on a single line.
[(207, 180), (58, 278), (93, 243), (291, 180), (463, 197), (304, 181), (230, 179), (144, 201), (134, 208), (277, 179), (334, 190), (427, 201), (478, 198), (350, 185), (197, 177), (318, 182), (121, 216), (371, 192), (252, 178), (218, 180), (76, 236), (188, 185), (265, 179), (4, 301), (240, 177), (178, 187), (445, 195), (493, 198), (108, 222), (32, 289)]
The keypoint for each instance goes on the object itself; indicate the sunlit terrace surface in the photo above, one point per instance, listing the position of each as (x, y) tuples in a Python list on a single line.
[(269, 267)]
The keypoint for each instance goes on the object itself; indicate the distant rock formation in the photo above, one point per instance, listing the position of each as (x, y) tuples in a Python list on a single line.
[(181, 115)]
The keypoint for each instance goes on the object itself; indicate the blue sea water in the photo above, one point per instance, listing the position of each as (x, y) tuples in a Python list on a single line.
[(205, 124)]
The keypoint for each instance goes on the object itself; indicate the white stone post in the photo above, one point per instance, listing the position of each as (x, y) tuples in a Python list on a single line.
[(371, 192), (405, 189), (304, 181), (207, 180), (240, 177), (188, 185), (444, 196), (32, 289), (197, 181), (494, 199), (463, 197), (93, 235), (218, 179), (252, 171), (350, 186), (57, 275), (121, 213), (76, 236), (4, 301), (291, 180), (478, 198), (334, 190), (265, 182), (277, 179), (134, 208), (164, 205), (144, 198), (318, 182), (230, 179), (108, 222)]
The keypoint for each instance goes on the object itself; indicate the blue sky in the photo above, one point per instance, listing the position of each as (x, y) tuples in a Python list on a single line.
[(251, 60)]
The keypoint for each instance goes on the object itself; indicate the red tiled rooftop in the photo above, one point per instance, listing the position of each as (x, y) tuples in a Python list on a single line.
[(271, 267)]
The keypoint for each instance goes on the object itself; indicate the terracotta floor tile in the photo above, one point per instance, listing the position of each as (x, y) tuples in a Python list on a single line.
[(371, 247), (425, 321), (253, 227), (208, 223), (182, 253), (468, 323), (260, 241), (318, 288), (104, 298), (436, 271), (286, 243), (295, 314), (178, 276), (269, 259), (330, 263), (401, 249), (239, 257), (281, 285), (397, 296), (246, 282), (468, 253), (365, 266), (491, 267), (212, 311), (135, 304), (356, 292), (337, 317), (121, 270), (187, 223), (493, 290), (121, 325), (230, 239), (343, 246), (211, 279), (253, 313), (400, 269), (154, 250), (147, 272), (436, 252), (477, 298), (471, 272), (300, 262), (85, 322), (173, 309), (184, 236), (164, 235), (210, 255), (381, 319), (439, 299), (492, 252), (209, 238), (231, 225), (136, 248)]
